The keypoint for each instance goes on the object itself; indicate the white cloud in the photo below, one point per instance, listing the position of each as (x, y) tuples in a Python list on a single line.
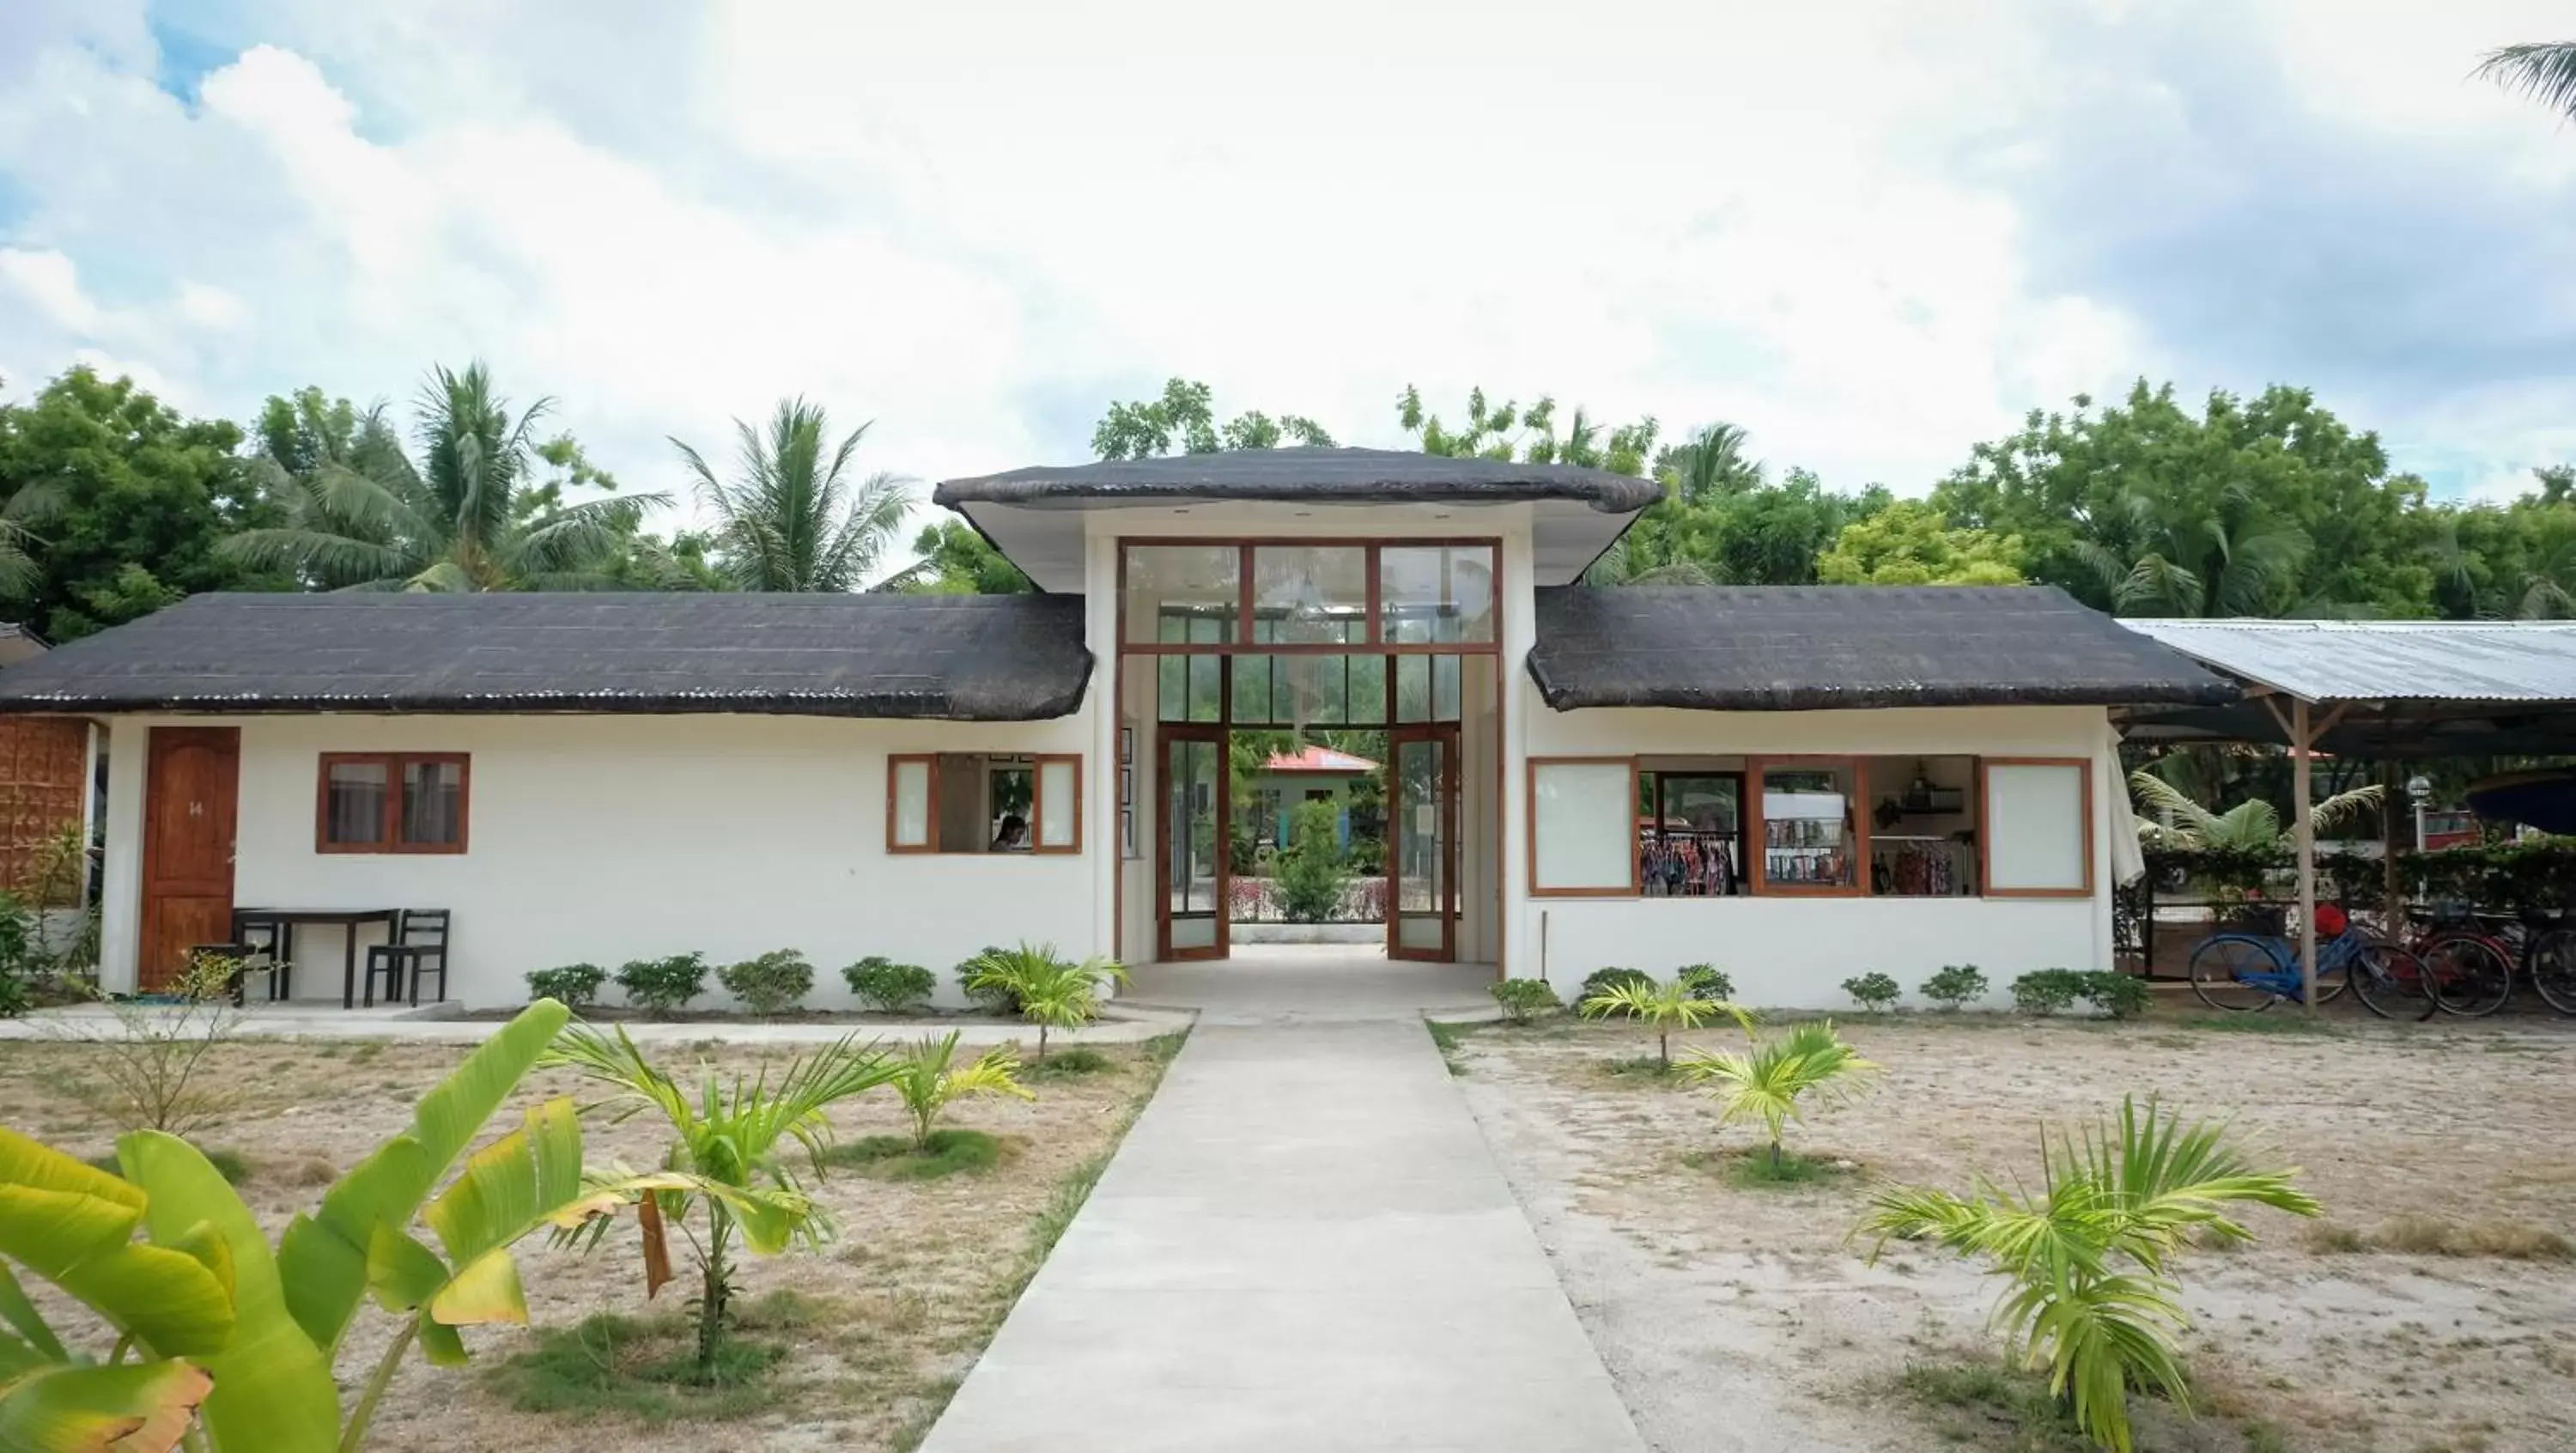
[(977, 224)]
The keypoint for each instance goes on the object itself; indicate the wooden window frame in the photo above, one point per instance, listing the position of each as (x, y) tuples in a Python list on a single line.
[(895, 762), (1757, 826), (1628, 808), (1371, 642), (392, 841), (1038, 806), (1986, 828)]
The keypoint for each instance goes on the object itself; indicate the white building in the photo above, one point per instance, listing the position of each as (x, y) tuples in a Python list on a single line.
[(1795, 785)]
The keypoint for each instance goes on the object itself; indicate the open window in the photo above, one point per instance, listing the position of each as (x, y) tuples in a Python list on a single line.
[(980, 802)]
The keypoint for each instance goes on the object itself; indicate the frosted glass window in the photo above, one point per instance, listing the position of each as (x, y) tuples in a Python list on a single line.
[(908, 817), (1059, 802), (1583, 827), (2038, 827)]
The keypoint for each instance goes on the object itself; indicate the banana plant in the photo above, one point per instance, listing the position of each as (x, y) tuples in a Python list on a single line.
[(230, 1345)]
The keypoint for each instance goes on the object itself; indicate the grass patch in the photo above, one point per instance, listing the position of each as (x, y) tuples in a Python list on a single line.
[(232, 1165), (1080, 1059), (644, 1368), (1447, 1038), (1752, 1170), (366, 1051), (896, 1158), (1643, 1068), (1987, 1405), (2420, 1235)]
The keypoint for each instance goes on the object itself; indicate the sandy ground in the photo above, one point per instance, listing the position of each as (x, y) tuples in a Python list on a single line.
[(1743, 1318), (897, 1306)]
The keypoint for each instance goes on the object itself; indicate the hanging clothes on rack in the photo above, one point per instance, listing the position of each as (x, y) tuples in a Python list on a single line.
[(1916, 870), (1686, 864)]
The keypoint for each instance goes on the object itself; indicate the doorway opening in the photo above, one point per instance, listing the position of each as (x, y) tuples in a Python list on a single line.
[(1305, 769)]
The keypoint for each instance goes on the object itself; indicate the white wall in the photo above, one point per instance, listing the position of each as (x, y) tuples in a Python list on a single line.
[(602, 839), (1794, 953)]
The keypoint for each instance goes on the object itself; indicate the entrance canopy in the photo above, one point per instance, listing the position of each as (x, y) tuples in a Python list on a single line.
[(1034, 515)]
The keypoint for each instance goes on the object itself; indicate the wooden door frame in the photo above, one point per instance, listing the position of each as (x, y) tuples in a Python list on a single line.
[(1214, 733), (157, 741), (1445, 796)]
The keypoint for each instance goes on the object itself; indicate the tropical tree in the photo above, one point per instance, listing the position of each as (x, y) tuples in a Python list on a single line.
[(929, 1080), (1909, 543), (1053, 992), (1768, 1080), (1186, 412), (1663, 1008), (2089, 1292), (954, 560), (1507, 431), (731, 1150), (470, 513), (226, 1343), (2253, 825), (2543, 70), (792, 517), (2188, 557)]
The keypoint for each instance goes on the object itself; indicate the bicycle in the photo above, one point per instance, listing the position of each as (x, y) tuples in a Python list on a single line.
[(2473, 968), (2241, 971)]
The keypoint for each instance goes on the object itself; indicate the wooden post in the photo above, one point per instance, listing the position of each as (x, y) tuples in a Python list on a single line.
[(2307, 836)]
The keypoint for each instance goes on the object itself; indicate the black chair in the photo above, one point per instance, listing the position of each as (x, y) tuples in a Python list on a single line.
[(262, 941), (419, 946)]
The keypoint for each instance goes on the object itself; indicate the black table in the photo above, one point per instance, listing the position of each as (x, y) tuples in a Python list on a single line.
[(348, 919)]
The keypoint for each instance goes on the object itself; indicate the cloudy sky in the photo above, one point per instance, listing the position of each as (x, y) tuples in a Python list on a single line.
[(1871, 233)]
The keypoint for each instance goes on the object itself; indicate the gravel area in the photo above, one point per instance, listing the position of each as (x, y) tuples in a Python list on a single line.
[(1745, 1318)]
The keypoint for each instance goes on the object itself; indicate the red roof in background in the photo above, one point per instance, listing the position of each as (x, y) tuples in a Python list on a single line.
[(1319, 759)]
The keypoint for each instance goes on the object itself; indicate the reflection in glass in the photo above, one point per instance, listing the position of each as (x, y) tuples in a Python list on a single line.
[(1309, 594), (1182, 593), (354, 803), (1191, 784), (1807, 827), (1436, 593)]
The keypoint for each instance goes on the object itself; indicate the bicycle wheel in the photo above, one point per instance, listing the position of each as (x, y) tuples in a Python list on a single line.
[(2231, 973), (2470, 976), (2389, 981), (2553, 969)]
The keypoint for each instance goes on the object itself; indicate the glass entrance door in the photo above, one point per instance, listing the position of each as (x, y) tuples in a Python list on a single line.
[(1193, 843), (1422, 843)]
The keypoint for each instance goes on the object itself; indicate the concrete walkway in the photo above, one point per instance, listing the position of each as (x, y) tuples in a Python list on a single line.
[(1304, 1244)]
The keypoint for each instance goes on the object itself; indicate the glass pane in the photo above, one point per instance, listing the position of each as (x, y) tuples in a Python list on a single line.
[(911, 827), (1699, 804), (354, 803), (1311, 593), (1191, 779), (1368, 690), (433, 796), (2035, 828), (1182, 593), (1444, 688), (1172, 688), (1063, 805), (1421, 844), (1193, 933), (1252, 691), (1318, 690), (1697, 849), (1008, 807), (1436, 593), (1582, 826), (1807, 827), (1413, 688), (1206, 691)]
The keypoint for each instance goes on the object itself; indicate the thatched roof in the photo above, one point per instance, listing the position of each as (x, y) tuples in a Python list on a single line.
[(965, 658), (1323, 476), (1805, 648)]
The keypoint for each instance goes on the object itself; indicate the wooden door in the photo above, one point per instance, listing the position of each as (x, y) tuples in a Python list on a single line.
[(1190, 850), (189, 795), (1422, 842)]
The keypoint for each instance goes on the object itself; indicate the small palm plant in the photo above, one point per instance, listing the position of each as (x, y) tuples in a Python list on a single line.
[(731, 1147), (2090, 1296), (1664, 1008), (1769, 1079), (929, 1080), (1053, 992)]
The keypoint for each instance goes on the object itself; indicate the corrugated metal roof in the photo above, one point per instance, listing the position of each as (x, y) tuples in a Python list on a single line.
[(2385, 660)]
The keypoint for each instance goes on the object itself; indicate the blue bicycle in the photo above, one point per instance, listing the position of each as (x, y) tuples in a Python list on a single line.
[(2247, 971)]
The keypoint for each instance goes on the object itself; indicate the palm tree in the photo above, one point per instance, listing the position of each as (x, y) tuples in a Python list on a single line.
[(2253, 825), (32, 504), (465, 517), (730, 1149), (1052, 992), (2226, 559), (1665, 1007), (929, 1080), (2088, 1295), (2543, 70), (1767, 1081), (791, 518)]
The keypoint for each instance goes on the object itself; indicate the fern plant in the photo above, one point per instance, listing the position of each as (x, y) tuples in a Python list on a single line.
[(1767, 1080), (929, 1080), (1662, 1007), (2090, 1295)]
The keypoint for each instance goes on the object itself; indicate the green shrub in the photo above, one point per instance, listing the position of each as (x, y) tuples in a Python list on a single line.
[(18, 956), (1707, 981), (2122, 996), (882, 984), (1956, 985), (1873, 991), (1522, 999), (2047, 991), (986, 993), (662, 986), (1602, 981), (574, 985), (1313, 873), (770, 983)]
